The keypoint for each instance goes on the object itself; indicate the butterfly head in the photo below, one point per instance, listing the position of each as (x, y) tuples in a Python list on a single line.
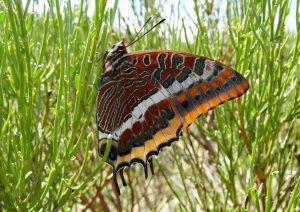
[(112, 55)]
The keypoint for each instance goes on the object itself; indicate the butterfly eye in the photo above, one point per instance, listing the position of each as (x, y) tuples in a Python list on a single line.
[(120, 48)]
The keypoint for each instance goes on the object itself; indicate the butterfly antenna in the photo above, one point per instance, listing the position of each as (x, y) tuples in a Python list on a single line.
[(132, 42), (140, 30)]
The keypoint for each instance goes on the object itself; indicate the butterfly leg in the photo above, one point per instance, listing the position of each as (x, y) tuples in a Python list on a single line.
[(122, 177)]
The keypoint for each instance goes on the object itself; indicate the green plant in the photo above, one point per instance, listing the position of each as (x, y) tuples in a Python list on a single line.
[(243, 155)]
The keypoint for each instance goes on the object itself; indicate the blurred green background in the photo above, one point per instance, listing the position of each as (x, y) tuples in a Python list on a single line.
[(243, 155)]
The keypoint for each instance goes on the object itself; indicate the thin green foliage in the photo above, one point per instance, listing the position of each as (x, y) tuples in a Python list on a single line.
[(243, 155)]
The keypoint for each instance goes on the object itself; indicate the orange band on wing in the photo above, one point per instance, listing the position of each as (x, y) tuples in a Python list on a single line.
[(194, 90), (191, 116), (150, 145), (232, 92), (123, 159), (164, 135), (203, 107), (181, 97), (213, 101), (221, 79), (204, 86), (224, 96), (240, 88), (138, 152), (213, 84), (227, 72)]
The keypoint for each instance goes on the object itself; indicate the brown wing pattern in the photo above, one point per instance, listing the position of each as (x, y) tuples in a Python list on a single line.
[(145, 104)]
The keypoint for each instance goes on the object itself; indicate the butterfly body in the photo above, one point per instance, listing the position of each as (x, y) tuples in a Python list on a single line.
[(145, 98)]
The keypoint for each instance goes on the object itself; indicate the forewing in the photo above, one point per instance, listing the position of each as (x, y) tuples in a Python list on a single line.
[(195, 84)]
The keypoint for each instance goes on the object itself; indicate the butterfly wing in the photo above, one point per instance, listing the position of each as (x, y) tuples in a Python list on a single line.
[(195, 84), (138, 113), (153, 94)]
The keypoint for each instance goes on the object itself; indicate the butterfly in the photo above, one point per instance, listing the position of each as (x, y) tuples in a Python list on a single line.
[(146, 98)]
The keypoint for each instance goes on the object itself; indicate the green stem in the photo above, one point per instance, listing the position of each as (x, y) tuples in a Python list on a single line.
[(56, 136)]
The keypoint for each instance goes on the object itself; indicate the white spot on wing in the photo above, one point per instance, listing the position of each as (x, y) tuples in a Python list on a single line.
[(136, 112), (140, 109), (175, 87), (187, 82), (208, 74), (195, 77), (103, 135)]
